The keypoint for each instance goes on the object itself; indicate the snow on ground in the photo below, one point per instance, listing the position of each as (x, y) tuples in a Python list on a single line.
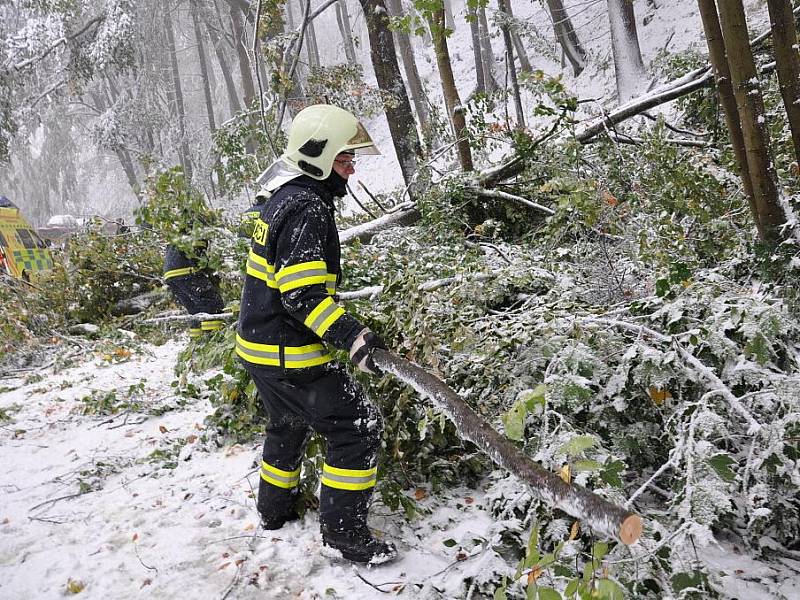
[(163, 515)]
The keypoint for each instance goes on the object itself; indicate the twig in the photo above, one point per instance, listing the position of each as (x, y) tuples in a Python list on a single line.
[(54, 500), (375, 586), (136, 551), (364, 208), (372, 196)]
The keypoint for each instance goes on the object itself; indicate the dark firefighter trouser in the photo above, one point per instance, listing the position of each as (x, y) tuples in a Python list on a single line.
[(197, 293), (334, 406)]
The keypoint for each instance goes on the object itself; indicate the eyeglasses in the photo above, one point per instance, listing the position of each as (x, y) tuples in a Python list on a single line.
[(345, 162)]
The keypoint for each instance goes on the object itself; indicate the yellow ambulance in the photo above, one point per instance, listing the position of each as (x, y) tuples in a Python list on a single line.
[(22, 252)]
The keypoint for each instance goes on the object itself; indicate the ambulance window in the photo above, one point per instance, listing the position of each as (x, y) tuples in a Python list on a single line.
[(26, 238)]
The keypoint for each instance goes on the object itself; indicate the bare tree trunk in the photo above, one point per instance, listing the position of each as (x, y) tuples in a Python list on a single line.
[(219, 50), (512, 68), (628, 64), (524, 63), (449, 20), (486, 52), (475, 32), (343, 18), (245, 72), (177, 96), (722, 73), (312, 50), (410, 67), (387, 73), (566, 36), (201, 54), (784, 40), (750, 103)]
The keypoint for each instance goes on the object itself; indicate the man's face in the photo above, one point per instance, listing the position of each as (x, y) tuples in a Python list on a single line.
[(344, 165)]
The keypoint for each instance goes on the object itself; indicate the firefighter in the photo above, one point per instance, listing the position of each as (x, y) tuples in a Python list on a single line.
[(289, 316), (194, 288)]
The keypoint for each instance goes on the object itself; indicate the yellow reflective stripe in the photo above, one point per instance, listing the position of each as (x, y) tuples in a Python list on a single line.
[(330, 283), (179, 272), (305, 356), (294, 357), (301, 275), (323, 316), (195, 332), (212, 325), (348, 479), (258, 267), (279, 477)]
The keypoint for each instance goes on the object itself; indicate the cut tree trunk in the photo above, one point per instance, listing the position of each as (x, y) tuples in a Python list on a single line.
[(595, 512), (750, 103), (722, 74), (451, 98), (415, 89), (628, 64), (784, 40), (402, 127), (566, 36)]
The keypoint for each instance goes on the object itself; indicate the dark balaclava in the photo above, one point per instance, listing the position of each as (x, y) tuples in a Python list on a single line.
[(335, 183)]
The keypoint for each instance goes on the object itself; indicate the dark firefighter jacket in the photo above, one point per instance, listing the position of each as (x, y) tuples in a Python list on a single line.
[(287, 308)]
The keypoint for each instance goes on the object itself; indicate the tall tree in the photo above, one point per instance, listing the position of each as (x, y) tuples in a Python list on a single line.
[(219, 51), (343, 19), (451, 98), (519, 47), (387, 73), (512, 68), (486, 51), (203, 64), (177, 95), (628, 63), (415, 88), (566, 36), (784, 40), (722, 74), (750, 103), (477, 53)]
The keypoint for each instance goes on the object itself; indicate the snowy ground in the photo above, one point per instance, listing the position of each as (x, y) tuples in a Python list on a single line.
[(161, 516), (136, 505)]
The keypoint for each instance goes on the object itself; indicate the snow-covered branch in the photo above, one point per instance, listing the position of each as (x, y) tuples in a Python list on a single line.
[(406, 214)]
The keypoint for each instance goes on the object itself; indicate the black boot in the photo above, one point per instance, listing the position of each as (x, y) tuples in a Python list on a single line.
[(359, 545), (276, 522)]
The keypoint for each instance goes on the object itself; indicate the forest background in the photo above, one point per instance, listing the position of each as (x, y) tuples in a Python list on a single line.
[(583, 221)]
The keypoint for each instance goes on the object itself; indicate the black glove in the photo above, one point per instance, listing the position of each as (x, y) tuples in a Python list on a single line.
[(361, 351)]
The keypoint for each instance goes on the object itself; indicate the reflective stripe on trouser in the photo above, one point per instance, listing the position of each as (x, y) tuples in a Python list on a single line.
[(212, 325), (334, 406)]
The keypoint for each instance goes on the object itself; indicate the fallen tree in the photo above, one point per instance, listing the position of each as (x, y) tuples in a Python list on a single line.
[(597, 513)]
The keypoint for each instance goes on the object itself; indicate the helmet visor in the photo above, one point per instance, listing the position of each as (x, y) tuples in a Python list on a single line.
[(361, 142)]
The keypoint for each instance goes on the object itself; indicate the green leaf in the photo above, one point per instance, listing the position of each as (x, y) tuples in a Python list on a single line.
[(547, 593), (577, 445), (572, 588), (534, 398), (599, 550), (721, 464), (611, 473), (514, 421), (586, 465), (450, 543), (609, 590)]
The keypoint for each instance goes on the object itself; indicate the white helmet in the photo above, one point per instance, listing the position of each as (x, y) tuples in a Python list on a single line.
[(319, 133)]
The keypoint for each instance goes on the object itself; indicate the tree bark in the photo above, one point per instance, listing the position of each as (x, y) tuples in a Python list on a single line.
[(522, 55), (387, 73), (415, 88), (566, 36), (599, 514), (784, 40), (343, 19), (512, 68), (245, 72), (177, 96), (201, 54), (750, 103), (486, 52), (722, 74), (628, 64), (451, 98), (475, 32), (230, 87)]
